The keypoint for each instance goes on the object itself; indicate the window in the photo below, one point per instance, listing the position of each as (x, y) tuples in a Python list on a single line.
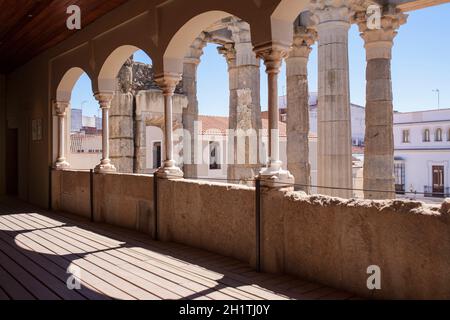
[(448, 135), (426, 135), (214, 156), (405, 136), (438, 135), (399, 172), (156, 155)]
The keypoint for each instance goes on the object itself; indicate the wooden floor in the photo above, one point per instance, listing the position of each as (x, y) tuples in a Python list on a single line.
[(40, 251)]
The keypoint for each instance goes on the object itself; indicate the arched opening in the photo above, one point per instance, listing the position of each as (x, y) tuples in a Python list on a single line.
[(84, 126), (137, 103)]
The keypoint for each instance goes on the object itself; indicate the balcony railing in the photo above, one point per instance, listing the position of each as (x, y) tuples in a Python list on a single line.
[(434, 193)]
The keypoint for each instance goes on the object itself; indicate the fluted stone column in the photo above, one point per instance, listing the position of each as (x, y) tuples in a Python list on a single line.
[(121, 122), (105, 165), (245, 109), (190, 114), (273, 175), (168, 83), (61, 108), (298, 107), (334, 122), (379, 140)]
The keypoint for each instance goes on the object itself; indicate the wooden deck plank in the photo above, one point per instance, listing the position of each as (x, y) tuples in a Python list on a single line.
[(53, 283), (123, 264), (93, 280), (50, 265), (14, 289), (34, 286), (104, 270)]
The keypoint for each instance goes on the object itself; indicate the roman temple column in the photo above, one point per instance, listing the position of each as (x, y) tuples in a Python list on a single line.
[(245, 108), (190, 114), (298, 106), (332, 20), (168, 82), (104, 99), (273, 174), (61, 108), (379, 141)]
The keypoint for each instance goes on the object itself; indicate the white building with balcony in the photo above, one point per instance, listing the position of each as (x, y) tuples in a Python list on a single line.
[(422, 152)]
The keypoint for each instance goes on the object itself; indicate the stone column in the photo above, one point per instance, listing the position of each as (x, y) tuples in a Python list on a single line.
[(121, 134), (273, 175), (190, 114), (245, 108), (105, 165), (168, 83), (379, 140), (332, 20), (61, 108), (298, 107)]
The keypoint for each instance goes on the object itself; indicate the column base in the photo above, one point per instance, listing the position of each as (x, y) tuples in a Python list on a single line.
[(62, 165), (105, 167), (276, 178), (170, 171)]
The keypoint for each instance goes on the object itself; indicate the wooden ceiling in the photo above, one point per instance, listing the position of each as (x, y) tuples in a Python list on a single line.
[(29, 27)]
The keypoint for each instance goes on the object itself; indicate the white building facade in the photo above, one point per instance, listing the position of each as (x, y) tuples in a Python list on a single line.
[(422, 152)]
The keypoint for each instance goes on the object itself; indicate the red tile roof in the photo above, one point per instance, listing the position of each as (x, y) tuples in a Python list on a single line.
[(219, 126)]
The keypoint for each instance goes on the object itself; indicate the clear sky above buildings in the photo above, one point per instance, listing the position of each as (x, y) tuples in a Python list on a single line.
[(421, 64)]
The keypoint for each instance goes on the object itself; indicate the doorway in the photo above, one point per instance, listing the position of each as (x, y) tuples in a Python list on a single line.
[(438, 181), (12, 159)]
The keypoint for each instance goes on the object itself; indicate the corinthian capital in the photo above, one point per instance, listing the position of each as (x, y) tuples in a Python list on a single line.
[(61, 108), (168, 82), (379, 39), (336, 10), (304, 38), (272, 56), (229, 52), (104, 99)]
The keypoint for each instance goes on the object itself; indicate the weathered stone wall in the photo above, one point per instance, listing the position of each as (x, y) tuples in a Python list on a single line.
[(212, 216), (71, 192), (323, 239), (119, 199), (334, 241), (125, 201)]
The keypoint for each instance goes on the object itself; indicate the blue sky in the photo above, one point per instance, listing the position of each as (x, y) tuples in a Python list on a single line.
[(421, 63)]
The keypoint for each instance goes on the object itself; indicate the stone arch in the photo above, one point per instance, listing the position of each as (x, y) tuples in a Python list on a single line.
[(282, 19), (106, 78), (185, 36), (66, 84)]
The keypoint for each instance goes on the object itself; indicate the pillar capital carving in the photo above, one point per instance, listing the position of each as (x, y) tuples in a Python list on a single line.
[(61, 107), (304, 38), (228, 51), (168, 82), (104, 99), (272, 56), (379, 41), (336, 12)]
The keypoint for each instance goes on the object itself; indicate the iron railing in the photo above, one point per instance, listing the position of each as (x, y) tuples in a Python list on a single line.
[(431, 192)]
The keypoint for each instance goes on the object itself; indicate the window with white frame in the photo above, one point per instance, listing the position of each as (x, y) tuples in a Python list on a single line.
[(426, 135), (405, 136), (214, 156), (438, 135)]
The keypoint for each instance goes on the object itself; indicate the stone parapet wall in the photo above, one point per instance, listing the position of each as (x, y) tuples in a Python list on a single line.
[(323, 239)]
